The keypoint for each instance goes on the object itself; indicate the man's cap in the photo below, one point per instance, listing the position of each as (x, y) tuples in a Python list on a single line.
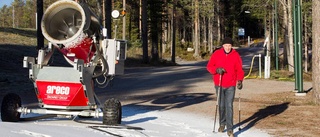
[(227, 40)]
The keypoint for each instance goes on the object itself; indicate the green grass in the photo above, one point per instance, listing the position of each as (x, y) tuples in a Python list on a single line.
[(27, 37)]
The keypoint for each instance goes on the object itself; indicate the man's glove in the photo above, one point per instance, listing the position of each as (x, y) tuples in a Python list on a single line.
[(220, 71), (239, 84)]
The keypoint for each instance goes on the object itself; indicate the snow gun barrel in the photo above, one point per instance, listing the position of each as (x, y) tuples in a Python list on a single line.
[(71, 26)]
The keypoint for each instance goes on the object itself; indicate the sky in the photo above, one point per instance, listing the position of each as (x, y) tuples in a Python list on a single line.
[(5, 2)]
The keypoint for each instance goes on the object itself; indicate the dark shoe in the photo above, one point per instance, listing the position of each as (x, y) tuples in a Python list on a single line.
[(221, 128), (230, 133)]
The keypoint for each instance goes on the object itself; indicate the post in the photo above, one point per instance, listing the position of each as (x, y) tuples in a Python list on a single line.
[(246, 12), (124, 21), (248, 41), (259, 65), (295, 41), (299, 47), (276, 35), (115, 28), (40, 38), (107, 17), (266, 67), (267, 59)]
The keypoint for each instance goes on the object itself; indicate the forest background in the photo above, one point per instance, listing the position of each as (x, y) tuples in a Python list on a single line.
[(157, 30)]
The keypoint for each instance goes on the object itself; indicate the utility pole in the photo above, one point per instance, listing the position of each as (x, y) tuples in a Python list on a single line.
[(40, 38), (12, 16), (298, 47), (276, 46), (104, 13), (124, 21), (140, 19), (107, 17)]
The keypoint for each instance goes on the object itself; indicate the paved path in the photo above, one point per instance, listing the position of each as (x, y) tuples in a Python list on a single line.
[(187, 88), (184, 89)]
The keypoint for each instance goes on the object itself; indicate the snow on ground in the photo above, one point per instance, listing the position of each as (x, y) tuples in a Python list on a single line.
[(145, 123)]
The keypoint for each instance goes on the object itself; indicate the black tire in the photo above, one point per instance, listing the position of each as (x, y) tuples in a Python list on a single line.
[(10, 103), (112, 112)]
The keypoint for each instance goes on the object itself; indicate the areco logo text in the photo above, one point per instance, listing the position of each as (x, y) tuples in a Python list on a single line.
[(59, 90)]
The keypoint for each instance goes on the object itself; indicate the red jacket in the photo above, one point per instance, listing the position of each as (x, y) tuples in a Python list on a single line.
[(231, 62)]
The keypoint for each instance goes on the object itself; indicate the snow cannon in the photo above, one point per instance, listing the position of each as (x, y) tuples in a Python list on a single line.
[(69, 25), (75, 31)]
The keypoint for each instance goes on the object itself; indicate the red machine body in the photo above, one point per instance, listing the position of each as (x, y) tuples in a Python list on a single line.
[(82, 50), (74, 30), (61, 93)]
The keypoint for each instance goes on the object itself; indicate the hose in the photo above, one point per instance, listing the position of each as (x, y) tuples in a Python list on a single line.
[(251, 66), (105, 69)]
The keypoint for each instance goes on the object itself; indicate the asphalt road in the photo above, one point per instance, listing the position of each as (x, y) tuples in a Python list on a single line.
[(147, 83), (186, 87), (157, 84)]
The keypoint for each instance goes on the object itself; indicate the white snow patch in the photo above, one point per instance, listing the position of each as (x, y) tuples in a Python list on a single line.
[(154, 123), (29, 133)]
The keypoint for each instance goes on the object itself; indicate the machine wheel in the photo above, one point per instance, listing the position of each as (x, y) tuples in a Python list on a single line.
[(10, 103), (112, 112)]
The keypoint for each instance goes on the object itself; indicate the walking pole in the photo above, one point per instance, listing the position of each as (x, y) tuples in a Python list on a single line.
[(239, 112), (217, 103)]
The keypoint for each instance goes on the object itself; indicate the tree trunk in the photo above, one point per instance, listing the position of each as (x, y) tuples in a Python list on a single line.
[(210, 32), (196, 29), (164, 38), (155, 22), (140, 19), (204, 35), (218, 22), (184, 29), (285, 33), (316, 50), (169, 30), (154, 50), (144, 32), (161, 40), (173, 47), (290, 32), (305, 43)]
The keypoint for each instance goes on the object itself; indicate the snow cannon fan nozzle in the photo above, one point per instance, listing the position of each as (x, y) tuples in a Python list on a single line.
[(71, 25)]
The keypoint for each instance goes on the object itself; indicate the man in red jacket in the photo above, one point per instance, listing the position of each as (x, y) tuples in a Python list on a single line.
[(226, 62)]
